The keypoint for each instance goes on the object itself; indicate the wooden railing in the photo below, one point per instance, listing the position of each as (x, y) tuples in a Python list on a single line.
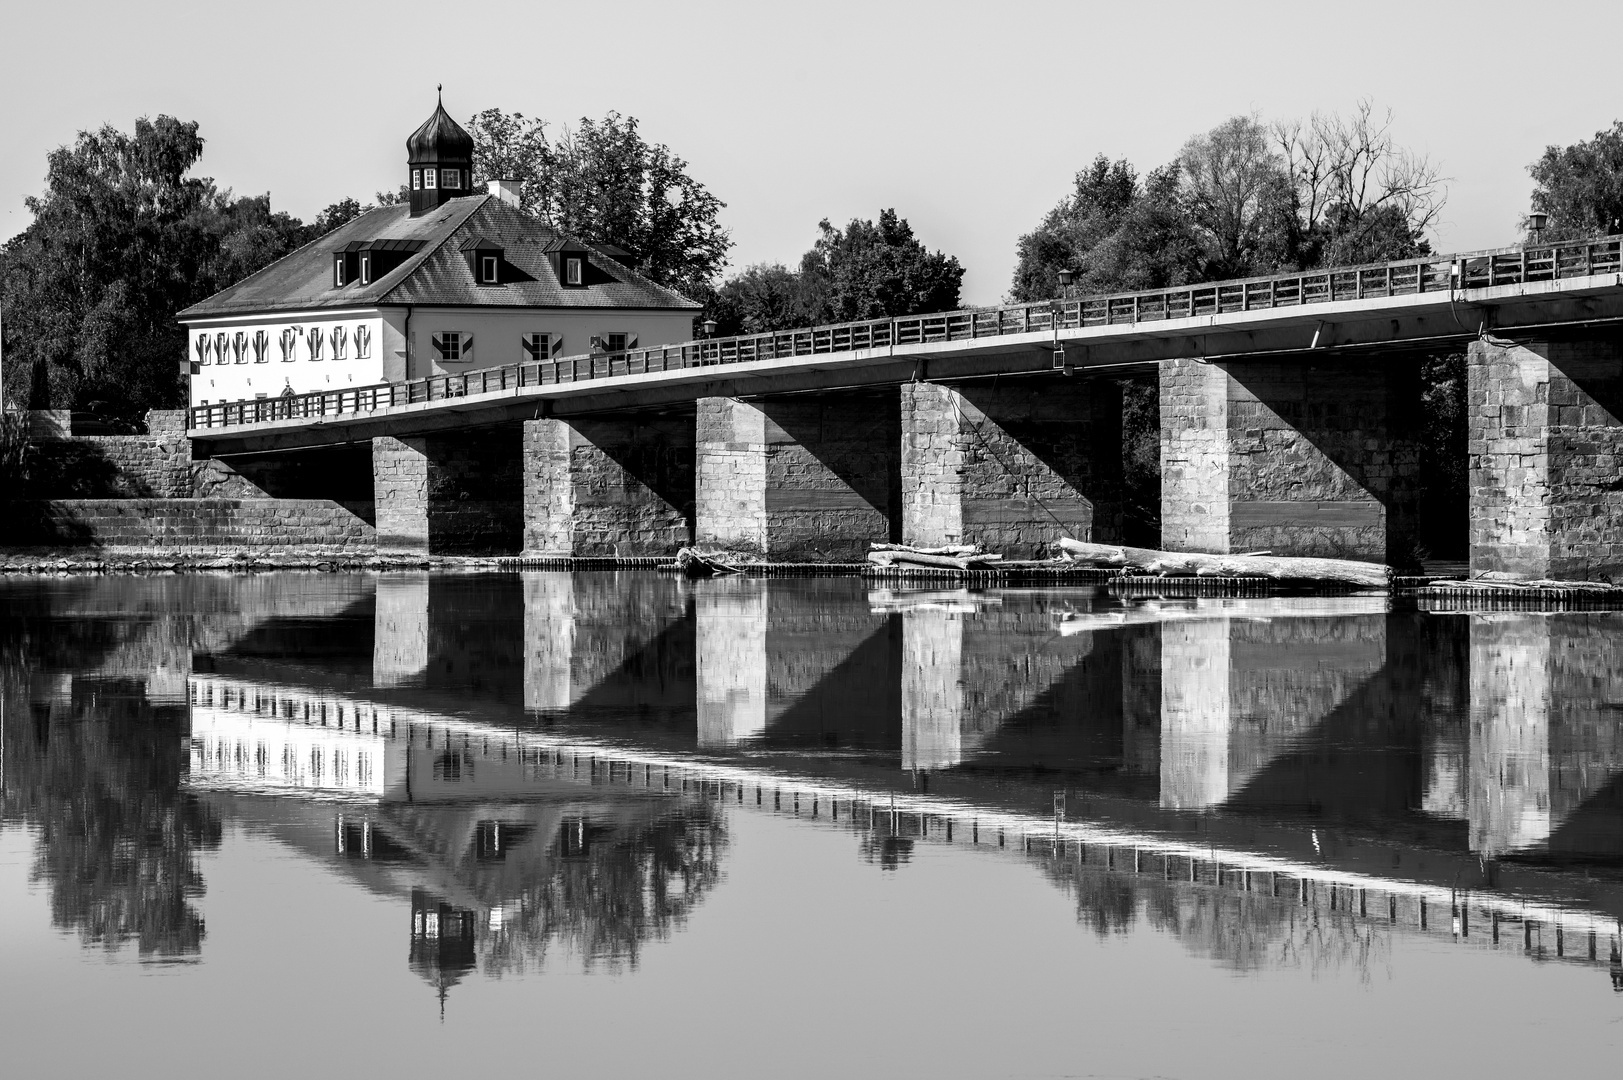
[(1549, 262)]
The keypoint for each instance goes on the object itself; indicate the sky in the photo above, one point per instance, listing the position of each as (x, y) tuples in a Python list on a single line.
[(969, 119)]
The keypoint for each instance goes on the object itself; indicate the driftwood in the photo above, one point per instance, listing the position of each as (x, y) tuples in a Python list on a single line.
[(954, 550), (945, 562), (696, 564), (1365, 575)]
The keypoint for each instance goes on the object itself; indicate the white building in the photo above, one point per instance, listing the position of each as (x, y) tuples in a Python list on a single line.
[(446, 283)]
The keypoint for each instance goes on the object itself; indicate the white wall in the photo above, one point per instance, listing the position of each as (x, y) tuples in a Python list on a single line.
[(497, 336), (269, 376)]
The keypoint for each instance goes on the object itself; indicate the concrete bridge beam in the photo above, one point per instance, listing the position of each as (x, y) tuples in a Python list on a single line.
[(811, 478), (1011, 465), (448, 494), (608, 486), (1545, 442), (1294, 456)]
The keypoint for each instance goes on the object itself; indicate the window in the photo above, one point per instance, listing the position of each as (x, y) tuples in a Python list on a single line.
[(428, 178), (450, 344), (451, 178), (487, 269), (416, 179), (315, 340), (338, 272), (537, 346), (363, 342), (572, 274), (366, 269), (614, 343)]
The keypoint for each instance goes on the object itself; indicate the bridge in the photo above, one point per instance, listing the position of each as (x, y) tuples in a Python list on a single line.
[(1288, 407)]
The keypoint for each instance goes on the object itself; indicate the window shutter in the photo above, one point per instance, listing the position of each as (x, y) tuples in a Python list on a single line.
[(467, 345), (631, 342), (439, 345), (557, 345)]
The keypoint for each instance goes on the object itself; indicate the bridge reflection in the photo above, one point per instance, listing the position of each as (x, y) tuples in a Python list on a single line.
[(546, 763)]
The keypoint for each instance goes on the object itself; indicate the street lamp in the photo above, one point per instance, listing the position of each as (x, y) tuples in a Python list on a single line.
[(1536, 221)]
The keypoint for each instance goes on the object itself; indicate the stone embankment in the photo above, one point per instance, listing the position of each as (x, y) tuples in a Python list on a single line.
[(99, 501)]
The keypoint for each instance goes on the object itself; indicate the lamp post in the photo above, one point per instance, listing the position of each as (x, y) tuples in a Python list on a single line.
[(707, 331), (1536, 221), (1066, 278)]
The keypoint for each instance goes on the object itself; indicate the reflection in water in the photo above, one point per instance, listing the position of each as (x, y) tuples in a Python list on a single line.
[(94, 764), (494, 753)]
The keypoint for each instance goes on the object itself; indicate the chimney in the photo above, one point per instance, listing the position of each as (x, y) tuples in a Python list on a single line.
[(505, 190)]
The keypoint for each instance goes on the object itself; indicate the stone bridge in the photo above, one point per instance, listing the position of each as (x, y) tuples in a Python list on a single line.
[(1288, 421)]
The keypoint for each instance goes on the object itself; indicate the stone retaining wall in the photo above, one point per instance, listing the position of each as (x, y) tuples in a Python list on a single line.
[(189, 526), (67, 466)]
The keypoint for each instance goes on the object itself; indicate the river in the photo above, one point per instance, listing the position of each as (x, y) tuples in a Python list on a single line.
[(620, 824)]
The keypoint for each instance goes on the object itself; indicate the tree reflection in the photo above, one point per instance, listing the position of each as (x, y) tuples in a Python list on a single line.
[(1239, 931), (117, 842), (95, 770)]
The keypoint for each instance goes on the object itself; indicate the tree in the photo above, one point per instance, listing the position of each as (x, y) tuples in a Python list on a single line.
[(604, 183), (1114, 233), (1581, 186), (760, 299), (871, 270), (1232, 179), (1360, 196), (122, 239)]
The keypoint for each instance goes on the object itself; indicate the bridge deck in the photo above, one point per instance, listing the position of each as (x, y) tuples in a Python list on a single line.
[(1409, 302)]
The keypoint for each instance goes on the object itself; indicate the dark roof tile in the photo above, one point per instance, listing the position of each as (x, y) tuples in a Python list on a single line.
[(435, 273)]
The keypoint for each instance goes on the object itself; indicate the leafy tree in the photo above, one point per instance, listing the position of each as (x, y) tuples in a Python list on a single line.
[(1114, 233), (1581, 186), (602, 182), (758, 300), (123, 238), (871, 270), (1233, 180)]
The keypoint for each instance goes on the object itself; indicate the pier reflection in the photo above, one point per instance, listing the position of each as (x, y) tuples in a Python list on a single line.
[(519, 761)]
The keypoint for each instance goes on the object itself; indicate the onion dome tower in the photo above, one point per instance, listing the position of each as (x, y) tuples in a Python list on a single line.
[(440, 155)]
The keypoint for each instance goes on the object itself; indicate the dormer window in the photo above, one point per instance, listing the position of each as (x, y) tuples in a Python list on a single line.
[(366, 269), (572, 271), (338, 270), (487, 269)]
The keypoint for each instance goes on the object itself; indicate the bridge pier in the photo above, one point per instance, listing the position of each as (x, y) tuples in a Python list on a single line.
[(1545, 444), (1011, 465), (1293, 456), (448, 494), (809, 478), (608, 486)]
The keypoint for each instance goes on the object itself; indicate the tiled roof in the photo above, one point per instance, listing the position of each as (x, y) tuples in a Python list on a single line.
[(436, 273)]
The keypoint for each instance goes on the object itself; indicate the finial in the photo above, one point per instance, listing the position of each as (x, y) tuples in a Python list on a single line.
[(439, 91)]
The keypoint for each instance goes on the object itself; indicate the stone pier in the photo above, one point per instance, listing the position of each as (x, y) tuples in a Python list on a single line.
[(811, 478), (1011, 465), (1293, 456), (448, 494), (1546, 445), (608, 486)]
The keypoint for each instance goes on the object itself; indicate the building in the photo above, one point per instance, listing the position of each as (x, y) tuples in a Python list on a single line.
[(447, 282)]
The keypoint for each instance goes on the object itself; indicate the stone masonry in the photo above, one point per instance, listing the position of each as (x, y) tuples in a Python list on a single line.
[(1291, 456), (1546, 445), (189, 526), (448, 494), (808, 478), (608, 486), (1011, 465), (156, 465)]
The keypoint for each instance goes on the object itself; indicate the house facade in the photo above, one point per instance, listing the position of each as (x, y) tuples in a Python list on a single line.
[(444, 283)]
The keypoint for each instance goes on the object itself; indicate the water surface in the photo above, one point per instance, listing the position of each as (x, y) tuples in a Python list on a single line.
[(620, 824)]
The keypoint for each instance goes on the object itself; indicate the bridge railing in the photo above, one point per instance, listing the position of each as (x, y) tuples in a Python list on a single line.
[(1549, 262)]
